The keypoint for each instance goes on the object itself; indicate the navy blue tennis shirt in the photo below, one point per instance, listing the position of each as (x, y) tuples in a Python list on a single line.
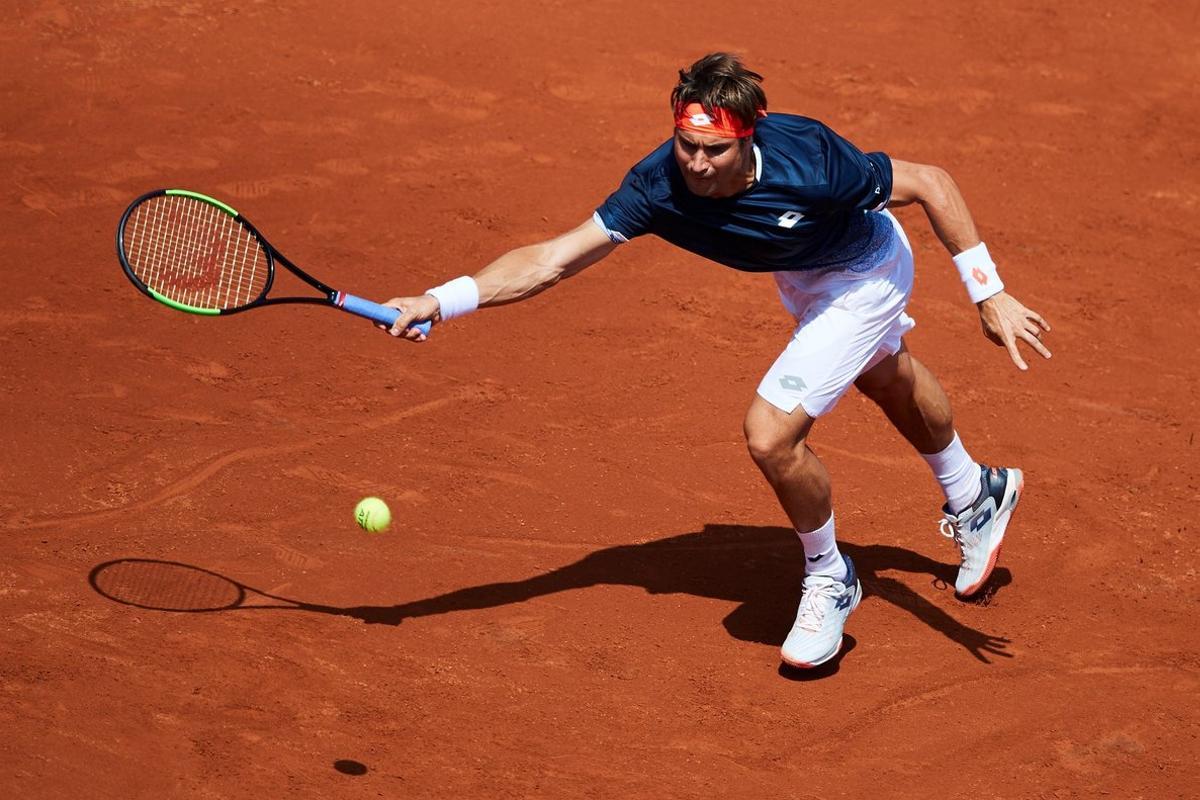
[(813, 205)]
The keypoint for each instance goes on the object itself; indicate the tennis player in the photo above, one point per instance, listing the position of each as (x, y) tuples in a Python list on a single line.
[(784, 194)]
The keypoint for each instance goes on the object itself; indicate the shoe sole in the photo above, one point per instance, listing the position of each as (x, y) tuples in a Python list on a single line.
[(810, 664), (994, 556)]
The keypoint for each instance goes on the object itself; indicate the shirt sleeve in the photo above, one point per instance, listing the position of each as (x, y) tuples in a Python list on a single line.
[(627, 212), (855, 180)]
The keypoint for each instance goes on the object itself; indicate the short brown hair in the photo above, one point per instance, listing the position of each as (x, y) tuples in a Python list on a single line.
[(719, 80)]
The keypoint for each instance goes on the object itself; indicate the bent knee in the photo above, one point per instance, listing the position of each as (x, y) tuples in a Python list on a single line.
[(773, 437), (766, 449)]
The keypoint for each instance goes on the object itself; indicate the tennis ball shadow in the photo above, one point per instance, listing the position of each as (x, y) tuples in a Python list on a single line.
[(348, 766)]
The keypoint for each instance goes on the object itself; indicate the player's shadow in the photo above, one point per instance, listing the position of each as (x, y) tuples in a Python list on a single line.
[(760, 568)]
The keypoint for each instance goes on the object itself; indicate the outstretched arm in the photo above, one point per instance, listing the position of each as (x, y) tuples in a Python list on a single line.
[(1003, 318), (514, 276)]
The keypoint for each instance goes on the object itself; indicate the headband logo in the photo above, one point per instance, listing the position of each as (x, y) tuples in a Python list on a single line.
[(719, 122)]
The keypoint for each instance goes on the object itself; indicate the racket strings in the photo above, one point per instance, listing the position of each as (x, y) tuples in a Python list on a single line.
[(193, 253)]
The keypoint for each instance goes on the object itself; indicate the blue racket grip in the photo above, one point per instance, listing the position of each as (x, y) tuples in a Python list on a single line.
[(385, 315)]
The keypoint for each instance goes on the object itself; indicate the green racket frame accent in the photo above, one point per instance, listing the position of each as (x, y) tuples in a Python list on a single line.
[(166, 301), (329, 297), (204, 199), (228, 210)]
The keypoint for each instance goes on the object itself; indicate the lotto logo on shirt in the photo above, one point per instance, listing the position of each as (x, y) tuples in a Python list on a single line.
[(789, 219)]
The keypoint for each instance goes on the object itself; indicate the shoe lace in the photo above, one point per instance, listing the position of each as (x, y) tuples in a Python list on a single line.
[(951, 530), (814, 602)]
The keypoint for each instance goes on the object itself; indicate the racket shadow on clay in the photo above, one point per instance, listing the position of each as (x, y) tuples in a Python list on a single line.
[(172, 586)]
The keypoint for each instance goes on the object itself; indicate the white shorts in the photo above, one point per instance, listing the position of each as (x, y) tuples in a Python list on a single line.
[(846, 323)]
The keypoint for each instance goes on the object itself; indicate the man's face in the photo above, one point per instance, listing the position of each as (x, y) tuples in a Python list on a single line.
[(713, 166)]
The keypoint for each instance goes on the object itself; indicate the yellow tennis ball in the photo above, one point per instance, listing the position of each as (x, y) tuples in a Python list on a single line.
[(372, 514)]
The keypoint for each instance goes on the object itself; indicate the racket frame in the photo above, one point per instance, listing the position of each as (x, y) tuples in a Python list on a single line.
[(332, 297)]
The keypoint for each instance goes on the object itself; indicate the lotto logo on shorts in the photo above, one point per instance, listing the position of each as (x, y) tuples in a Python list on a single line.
[(791, 383)]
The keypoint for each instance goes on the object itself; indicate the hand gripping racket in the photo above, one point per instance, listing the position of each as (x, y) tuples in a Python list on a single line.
[(196, 254)]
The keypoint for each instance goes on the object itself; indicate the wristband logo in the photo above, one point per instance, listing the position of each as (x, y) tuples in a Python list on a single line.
[(980, 276)]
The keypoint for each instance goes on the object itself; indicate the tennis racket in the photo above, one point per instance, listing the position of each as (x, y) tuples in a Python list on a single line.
[(196, 254)]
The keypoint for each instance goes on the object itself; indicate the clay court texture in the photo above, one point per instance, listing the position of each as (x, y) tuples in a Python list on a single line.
[(588, 581)]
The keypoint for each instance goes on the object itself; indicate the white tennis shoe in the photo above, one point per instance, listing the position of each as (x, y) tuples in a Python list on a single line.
[(826, 602), (979, 530)]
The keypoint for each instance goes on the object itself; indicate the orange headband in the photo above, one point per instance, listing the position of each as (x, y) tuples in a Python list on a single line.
[(692, 117)]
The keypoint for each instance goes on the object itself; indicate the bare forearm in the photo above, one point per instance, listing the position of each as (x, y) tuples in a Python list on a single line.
[(516, 275), (949, 216), (524, 272), (940, 197)]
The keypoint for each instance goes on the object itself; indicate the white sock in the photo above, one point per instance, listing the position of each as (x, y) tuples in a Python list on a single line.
[(821, 556), (957, 473)]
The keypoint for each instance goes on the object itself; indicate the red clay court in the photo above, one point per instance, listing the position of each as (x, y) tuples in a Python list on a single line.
[(588, 582)]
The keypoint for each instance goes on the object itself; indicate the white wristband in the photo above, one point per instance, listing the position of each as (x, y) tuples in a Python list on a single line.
[(978, 273), (457, 297)]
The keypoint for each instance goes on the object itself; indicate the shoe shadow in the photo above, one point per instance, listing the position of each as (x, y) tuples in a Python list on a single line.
[(759, 568), (826, 670)]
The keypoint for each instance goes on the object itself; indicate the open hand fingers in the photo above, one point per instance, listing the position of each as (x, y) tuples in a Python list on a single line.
[(1036, 317), (1035, 326), (1006, 321), (1010, 344), (1034, 339)]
